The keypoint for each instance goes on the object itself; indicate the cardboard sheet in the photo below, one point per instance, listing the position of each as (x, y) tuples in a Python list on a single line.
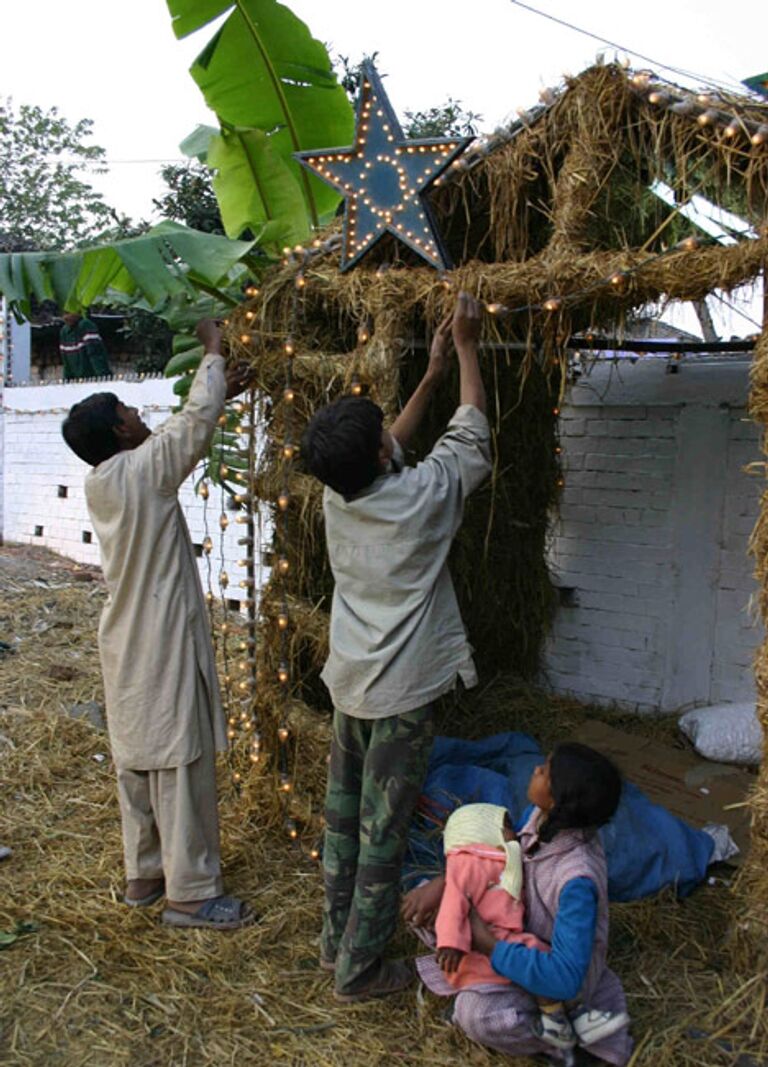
[(696, 790)]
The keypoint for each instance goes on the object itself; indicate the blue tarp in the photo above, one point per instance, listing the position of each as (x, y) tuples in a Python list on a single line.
[(647, 848)]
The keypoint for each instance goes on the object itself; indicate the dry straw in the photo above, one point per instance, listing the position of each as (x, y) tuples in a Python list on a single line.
[(98, 984)]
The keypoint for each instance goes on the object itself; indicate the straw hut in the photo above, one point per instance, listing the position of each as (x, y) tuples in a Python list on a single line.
[(553, 223)]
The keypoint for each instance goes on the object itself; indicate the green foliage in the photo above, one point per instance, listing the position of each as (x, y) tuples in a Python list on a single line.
[(168, 262), (190, 198), (274, 92), (150, 337), (449, 120), (44, 201)]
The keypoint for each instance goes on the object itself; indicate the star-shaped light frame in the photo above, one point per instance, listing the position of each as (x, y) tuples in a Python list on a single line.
[(385, 179)]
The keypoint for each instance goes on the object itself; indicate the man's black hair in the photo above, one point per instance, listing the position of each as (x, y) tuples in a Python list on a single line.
[(341, 444), (586, 788), (89, 428)]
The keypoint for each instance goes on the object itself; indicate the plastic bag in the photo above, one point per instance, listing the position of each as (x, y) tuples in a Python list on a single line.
[(729, 733)]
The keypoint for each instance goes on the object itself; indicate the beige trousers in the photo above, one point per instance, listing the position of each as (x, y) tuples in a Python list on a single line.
[(171, 822)]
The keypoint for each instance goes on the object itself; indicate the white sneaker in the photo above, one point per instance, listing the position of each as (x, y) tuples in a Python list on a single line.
[(555, 1029), (592, 1026)]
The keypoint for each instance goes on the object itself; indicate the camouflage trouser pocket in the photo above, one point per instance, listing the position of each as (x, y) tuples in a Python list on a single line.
[(375, 777)]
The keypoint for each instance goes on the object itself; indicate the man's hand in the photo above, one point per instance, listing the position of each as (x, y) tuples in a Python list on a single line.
[(439, 353), (420, 905), (467, 320), (209, 335), (449, 959), (239, 376), (482, 935)]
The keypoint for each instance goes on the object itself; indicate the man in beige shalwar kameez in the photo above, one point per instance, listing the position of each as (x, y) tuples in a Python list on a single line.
[(163, 705)]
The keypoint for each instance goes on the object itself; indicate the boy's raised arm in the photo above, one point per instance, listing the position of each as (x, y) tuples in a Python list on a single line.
[(467, 320), (407, 422)]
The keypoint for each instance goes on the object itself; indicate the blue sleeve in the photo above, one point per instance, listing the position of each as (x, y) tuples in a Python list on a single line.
[(558, 974), (524, 818)]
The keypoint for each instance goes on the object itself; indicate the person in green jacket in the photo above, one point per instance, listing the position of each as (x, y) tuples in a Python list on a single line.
[(83, 353)]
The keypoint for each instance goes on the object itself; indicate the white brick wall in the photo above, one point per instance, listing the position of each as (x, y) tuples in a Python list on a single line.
[(35, 462), (650, 544)]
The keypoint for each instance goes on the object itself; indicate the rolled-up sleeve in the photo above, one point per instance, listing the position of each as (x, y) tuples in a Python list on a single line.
[(558, 974), (171, 453), (466, 447)]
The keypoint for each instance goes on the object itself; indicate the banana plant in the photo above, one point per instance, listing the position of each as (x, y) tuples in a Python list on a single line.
[(274, 92), (169, 264)]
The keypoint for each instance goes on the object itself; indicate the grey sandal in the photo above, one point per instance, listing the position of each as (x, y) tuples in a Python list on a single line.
[(219, 913)]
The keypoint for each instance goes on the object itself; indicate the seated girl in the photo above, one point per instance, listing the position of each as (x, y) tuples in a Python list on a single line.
[(573, 794)]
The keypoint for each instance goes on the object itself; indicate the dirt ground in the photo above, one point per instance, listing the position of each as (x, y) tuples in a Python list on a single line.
[(83, 980)]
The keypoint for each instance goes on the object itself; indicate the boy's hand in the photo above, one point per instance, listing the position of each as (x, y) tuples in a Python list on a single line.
[(209, 335), (239, 376), (439, 352), (467, 320), (449, 959), (482, 935), (420, 905)]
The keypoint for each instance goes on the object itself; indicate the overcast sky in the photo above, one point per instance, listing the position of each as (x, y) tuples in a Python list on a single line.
[(120, 64)]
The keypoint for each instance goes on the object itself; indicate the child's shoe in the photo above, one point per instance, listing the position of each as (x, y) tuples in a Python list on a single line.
[(592, 1026), (555, 1028)]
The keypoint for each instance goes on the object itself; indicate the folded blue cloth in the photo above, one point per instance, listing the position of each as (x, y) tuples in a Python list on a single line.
[(647, 848)]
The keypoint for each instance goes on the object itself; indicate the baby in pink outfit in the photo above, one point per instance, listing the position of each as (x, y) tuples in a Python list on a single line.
[(483, 870)]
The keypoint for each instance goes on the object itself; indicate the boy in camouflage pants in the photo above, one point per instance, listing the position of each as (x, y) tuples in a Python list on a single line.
[(397, 641)]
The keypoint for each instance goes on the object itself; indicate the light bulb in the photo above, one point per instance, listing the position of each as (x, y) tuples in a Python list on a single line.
[(282, 674), (493, 309), (289, 450), (207, 545), (245, 338), (204, 491), (552, 304), (283, 733), (282, 621), (288, 347), (283, 565), (288, 395), (283, 500), (223, 579), (236, 777), (223, 522)]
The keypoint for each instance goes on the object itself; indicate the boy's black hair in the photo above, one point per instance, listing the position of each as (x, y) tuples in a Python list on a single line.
[(341, 443), (89, 428), (586, 788)]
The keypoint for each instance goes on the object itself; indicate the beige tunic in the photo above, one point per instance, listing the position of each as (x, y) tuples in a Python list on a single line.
[(154, 635), (397, 641)]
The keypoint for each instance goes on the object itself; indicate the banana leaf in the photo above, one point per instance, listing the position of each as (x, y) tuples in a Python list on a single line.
[(255, 189), (263, 70), (169, 261)]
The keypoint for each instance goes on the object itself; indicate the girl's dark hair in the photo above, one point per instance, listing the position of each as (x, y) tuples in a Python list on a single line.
[(586, 788), (341, 444), (89, 429)]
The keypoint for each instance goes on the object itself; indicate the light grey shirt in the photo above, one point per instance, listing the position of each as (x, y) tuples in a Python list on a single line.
[(397, 641)]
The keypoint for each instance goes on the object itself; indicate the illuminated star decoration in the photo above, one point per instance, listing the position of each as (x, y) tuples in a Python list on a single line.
[(385, 179)]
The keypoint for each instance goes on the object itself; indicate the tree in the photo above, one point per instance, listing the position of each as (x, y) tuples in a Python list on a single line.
[(190, 198), (44, 201), (449, 120)]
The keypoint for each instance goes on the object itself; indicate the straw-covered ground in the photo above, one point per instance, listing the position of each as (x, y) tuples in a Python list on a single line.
[(90, 982)]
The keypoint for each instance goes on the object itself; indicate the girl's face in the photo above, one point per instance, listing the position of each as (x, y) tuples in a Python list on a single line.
[(540, 787)]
